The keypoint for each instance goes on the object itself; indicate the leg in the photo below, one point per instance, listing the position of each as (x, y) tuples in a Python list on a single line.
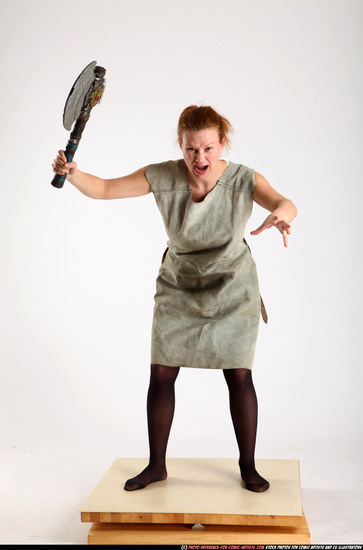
[(160, 412), (243, 405)]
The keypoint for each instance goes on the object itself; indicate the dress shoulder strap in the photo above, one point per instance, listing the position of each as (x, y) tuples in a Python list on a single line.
[(167, 176), (239, 176)]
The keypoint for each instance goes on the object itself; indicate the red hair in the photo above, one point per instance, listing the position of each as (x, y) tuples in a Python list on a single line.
[(200, 118)]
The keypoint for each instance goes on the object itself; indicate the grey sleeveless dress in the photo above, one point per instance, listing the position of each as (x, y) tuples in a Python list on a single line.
[(207, 301)]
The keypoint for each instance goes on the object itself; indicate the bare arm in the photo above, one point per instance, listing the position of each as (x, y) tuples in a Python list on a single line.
[(133, 185), (283, 210)]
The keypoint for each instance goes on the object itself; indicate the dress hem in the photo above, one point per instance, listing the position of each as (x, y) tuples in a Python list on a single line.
[(197, 367)]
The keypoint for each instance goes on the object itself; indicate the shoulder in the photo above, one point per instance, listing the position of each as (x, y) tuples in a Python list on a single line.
[(167, 175), (239, 176), (260, 179)]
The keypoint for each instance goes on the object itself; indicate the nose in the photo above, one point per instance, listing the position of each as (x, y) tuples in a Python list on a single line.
[(199, 155)]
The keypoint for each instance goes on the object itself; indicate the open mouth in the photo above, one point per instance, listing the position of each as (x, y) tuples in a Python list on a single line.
[(200, 169)]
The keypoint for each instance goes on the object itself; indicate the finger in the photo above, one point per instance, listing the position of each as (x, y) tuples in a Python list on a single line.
[(262, 228), (59, 163), (60, 171), (282, 224), (62, 155), (284, 227), (59, 168), (258, 230), (284, 234)]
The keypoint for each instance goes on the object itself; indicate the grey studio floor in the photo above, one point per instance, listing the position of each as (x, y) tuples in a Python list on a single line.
[(41, 492)]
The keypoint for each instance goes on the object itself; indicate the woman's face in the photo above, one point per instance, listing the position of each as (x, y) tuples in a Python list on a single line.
[(201, 150)]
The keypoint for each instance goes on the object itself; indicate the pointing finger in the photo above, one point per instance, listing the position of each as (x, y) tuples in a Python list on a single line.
[(285, 238)]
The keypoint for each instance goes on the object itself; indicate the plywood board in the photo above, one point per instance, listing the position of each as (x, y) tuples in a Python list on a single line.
[(151, 534), (198, 490)]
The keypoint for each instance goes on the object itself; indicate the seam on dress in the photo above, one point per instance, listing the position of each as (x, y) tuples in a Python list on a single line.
[(171, 189), (241, 189), (213, 265)]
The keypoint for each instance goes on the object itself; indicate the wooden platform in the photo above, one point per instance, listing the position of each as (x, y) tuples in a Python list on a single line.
[(202, 501)]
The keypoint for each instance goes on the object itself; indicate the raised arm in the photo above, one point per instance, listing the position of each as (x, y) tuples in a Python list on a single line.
[(283, 210), (133, 185)]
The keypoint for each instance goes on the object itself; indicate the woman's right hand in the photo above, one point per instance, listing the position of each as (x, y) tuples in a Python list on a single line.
[(61, 166)]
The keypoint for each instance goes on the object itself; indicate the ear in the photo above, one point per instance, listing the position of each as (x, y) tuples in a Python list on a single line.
[(180, 144)]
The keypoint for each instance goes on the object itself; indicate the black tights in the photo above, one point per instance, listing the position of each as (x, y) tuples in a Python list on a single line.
[(243, 407), (160, 412)]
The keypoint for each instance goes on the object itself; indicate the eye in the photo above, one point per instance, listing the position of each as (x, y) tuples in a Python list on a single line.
[(208, 148)]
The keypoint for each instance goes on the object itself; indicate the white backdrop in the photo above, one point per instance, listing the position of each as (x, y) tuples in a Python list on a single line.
[(78, 275)]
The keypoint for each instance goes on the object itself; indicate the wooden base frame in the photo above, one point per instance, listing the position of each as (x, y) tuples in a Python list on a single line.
[(203, 501)]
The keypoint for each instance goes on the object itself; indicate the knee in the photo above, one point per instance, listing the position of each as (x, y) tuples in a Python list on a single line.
[(160, 374), (238, 378)]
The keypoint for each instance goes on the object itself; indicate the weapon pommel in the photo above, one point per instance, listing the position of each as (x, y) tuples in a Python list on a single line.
[(99, 71)]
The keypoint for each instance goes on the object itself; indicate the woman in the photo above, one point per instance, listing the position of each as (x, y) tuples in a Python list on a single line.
[(207, 301)]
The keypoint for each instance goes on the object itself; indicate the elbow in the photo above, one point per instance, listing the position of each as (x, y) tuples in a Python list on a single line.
[(294, 210), (102, 191)]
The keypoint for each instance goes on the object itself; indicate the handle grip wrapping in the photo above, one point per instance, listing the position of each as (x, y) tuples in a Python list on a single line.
[(58, 180)]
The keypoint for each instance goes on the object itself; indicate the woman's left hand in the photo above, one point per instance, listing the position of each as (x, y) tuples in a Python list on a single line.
[(274, 220)]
